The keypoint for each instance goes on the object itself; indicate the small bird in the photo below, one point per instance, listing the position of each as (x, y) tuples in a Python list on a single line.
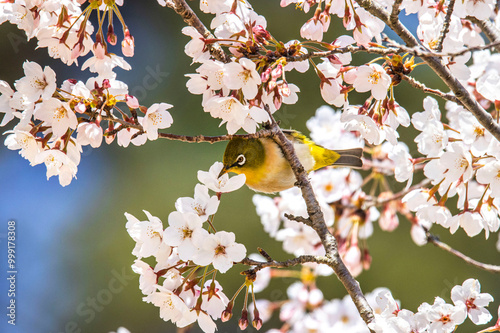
[(266, 168)]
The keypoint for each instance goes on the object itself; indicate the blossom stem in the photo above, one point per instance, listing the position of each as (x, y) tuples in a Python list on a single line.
[(487, 267)]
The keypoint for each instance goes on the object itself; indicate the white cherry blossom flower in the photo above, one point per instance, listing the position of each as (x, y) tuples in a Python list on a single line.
[(365, 125), (403, 169), (37, 82), (202, 204), (488, 85), (147, 234), (223, 183), (195, 48), (229, 109), (433, 140), (58, 115), (5, 107), (214, 303), (89, 134), (242, 75), (431, 113), (469, 294), (172, 307), (147, 279), (58, 164), (157, 117), (25, 141), (372, 78), (490, 174), (312, 29), (186, 232), (221, 250), (471, 222), (103, 63), (443, 317), (268, 212)]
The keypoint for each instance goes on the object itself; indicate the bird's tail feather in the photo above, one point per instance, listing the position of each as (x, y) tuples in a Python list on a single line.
[(350, 158)]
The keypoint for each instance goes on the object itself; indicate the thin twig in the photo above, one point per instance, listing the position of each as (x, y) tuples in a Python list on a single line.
[(396, 196), (416, 84), (446, 26), (212, 139), (280, 264), (393, 48), (465, 97), (487, 267), (190, 17), (489, 30)]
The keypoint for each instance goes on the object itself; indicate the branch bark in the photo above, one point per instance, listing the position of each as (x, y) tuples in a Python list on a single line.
[(190, 17), (317, 222), (435, 63)]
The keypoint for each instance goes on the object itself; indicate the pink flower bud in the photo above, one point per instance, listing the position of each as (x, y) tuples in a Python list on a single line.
[(243, 322), (128, 44), (277, 72), (266, 74), (111, 36), (80, 108), (106, 84), (261, 34), (132, 101)]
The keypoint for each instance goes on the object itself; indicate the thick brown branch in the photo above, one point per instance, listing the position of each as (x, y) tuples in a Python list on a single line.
[(317, 222), (190, 17), (466, 99), (395, 11), (487, 267)]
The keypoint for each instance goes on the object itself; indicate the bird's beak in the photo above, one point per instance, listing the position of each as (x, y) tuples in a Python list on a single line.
[(224, 170)]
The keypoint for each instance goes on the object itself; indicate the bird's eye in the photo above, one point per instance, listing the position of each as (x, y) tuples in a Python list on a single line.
[(241, 160)]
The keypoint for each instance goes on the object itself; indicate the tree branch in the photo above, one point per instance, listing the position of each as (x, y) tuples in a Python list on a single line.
[(489, 30), (395, 11), (280, 264), (190, 17), (446, 26), (317, 222), (435, 63), (487, 267), (416, 84), (212, 139)]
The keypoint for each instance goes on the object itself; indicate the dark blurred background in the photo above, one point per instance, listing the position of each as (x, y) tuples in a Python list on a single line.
[(73, 251)]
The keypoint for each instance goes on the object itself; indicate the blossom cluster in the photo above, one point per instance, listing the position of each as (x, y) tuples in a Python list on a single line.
[(189, 244), (55, 122), (306, 310), (468, 301), (65, 29), (252, 79)]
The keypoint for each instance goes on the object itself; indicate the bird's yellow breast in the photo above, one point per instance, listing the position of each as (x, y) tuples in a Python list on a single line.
[(275, 174)]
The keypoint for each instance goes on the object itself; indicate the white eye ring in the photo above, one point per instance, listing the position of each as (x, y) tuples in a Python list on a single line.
[(241, 159)]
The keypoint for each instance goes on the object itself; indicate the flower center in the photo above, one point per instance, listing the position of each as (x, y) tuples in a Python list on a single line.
[(187, 233), (220, 250), (374, 77)]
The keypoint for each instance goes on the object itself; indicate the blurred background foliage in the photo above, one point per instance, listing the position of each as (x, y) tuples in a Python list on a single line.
[(73, 251)]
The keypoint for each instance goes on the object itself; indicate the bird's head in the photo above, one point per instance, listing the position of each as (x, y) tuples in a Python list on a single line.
[(243, 156)]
